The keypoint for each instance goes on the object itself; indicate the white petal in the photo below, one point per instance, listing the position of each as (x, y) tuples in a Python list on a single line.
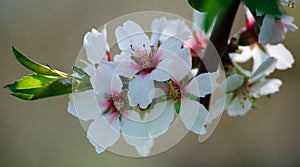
[(239, 107), (193, 114), (174, 43), (107, 81), (284, 56), (266, 30), (104, 132), (84, 105), (267, 67), (160, 75), (139, 91), (131, 34), (259, 56), (178, 72), (203, 84), (216, 110), (242, 57), (162, 123), (287, 22), (233, 82), (135, 133), (174, 27), (185, 54), (157, 27), (95, 45), (146, 148), (126, 66), (266, 87)]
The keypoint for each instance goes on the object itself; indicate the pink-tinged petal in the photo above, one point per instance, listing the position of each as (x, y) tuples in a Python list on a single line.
[(233, 82), (287, 22), (157, 27), (131, 34), (284, 57), (242, 57), (265, 69), (104, 132), (126, 66), (278, 33), (106, 80), (95, 45), (84, 105), (266, 30), (250, 20), (266, 87), (259, 56), (203, 84), (193, 115), (139, 91), (239, 107)]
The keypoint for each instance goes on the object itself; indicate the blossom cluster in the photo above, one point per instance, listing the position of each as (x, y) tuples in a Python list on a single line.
[(138, 92)]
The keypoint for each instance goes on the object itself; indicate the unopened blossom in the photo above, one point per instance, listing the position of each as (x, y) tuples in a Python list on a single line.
[(143, 60)]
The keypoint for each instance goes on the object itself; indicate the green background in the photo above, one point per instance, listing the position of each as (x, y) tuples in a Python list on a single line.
[(42, 133)]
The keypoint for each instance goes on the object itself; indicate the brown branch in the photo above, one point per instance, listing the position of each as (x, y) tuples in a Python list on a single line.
[(218, 43)]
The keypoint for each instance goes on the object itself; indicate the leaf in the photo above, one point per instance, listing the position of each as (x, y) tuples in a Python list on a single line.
[(177, 105), (212, 7), (37, 86), (36, 67), (267, 6)]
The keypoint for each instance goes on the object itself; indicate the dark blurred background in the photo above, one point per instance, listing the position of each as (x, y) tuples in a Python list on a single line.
[(42, 133)]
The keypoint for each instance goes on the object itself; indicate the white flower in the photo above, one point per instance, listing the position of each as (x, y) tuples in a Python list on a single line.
[(144, 61), (243, 89), (260, 53), (273, 29), (96, 49)]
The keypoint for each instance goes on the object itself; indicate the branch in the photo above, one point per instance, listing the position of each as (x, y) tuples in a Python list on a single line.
[(218, 42)]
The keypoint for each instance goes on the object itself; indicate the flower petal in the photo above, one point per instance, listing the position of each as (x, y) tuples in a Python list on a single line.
[(266, 30), (106, 80), (242, 57), (139, 91), (131, 34), (266, 87), (284, 56), (203, 84), (233, 82), (104, 132), (157, 27), (84, 105), (216, 110), (162, 123), (193, 114), (239, 107), (95, 45), (174, 43), (267, 67), (259, 56)]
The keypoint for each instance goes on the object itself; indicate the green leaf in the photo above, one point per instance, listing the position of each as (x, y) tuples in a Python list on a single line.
[(212, 7), (267, 6), (36, 67), (37, 86), (177, 105)]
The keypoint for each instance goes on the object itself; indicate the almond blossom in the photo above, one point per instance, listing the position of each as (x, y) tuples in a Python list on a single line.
[(143, 60), (243, 88)]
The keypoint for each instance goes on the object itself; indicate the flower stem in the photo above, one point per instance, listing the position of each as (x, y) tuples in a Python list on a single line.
[(219, 42)]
